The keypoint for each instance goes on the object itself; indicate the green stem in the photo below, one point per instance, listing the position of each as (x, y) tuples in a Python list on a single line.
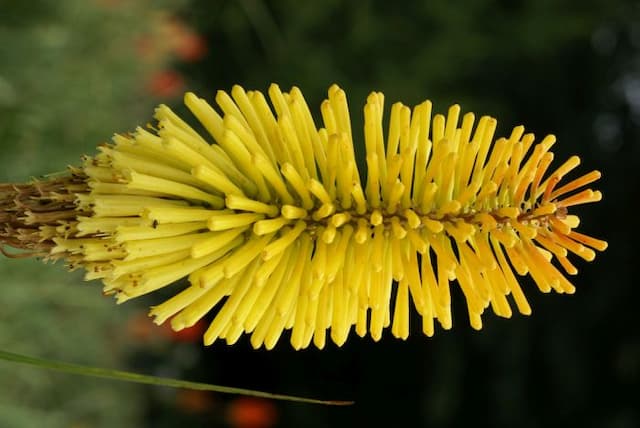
[(153, 380)]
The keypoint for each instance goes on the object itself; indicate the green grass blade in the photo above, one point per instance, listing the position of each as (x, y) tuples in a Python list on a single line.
[(78, 369)]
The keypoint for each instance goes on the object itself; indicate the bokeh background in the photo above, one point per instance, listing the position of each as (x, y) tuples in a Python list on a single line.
[(72, 73)]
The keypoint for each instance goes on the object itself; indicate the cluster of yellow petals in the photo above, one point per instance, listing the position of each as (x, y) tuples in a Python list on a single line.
[(276, 229)]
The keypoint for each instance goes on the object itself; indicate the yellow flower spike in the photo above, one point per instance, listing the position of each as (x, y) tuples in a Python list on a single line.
[(271, 221)]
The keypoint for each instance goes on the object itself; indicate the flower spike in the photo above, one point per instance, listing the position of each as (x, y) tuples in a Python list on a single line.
[(276, 228)]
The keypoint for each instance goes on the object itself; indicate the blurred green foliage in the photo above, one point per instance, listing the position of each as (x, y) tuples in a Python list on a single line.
[(47, 312), (70, 77)]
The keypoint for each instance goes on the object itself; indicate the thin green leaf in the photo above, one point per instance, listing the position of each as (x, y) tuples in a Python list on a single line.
[(153, 380)]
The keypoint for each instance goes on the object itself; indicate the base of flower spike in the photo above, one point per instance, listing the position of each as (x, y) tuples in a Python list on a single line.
[(276, 229), (34, 215)]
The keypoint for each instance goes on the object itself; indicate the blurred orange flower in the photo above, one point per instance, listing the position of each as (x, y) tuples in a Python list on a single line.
[(251, 412), (142, 329), (189, 334), (171, 38), (183, 40), (166, 84)]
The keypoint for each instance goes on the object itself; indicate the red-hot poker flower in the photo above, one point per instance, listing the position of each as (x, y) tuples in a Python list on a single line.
[(274, 226)]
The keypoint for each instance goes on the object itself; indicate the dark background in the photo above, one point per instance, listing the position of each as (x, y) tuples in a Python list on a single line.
[(563, 67)]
